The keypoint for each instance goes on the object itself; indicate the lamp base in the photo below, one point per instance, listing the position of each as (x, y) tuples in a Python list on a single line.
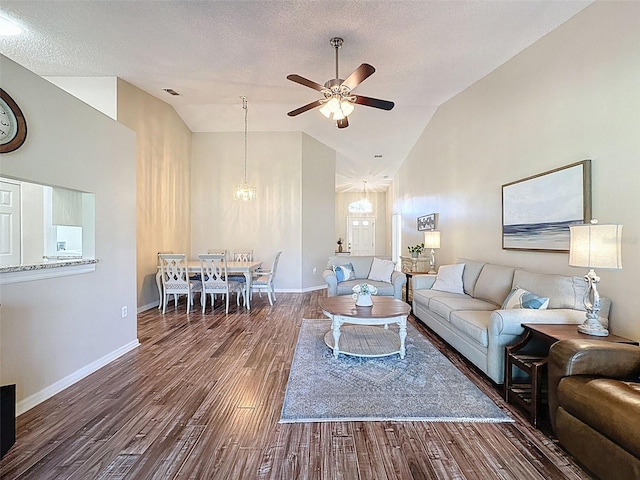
[(593, 328)]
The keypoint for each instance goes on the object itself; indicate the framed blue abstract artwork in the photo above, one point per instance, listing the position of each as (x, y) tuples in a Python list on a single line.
[(537, 211)]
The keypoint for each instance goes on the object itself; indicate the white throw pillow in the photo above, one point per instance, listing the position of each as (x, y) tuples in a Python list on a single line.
[(381, 270), (449, 279), (521, 298)]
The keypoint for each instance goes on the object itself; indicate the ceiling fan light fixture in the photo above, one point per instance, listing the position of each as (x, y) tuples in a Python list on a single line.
[(336, 109), (338, 102), (347, 107)]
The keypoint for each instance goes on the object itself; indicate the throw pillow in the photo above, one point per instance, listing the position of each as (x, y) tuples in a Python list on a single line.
[(381, 270), (344, 272), (449, 279), (521, 298)]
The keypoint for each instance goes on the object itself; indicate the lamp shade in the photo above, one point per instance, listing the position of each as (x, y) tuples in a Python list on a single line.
[(432, 239), (596, 246)]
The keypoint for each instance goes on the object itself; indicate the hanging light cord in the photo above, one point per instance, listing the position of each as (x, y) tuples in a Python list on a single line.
[(246, 110)]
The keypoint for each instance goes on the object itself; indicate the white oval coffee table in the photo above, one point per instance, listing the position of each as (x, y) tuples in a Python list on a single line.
[(364, 336)]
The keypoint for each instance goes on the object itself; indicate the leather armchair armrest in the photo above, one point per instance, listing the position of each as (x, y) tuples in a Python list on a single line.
[(331, 281), (589, 357)]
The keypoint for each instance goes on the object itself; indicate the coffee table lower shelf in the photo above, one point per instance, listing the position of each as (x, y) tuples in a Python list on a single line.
[(366, 341)]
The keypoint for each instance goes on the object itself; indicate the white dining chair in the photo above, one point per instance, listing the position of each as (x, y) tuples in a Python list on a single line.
[(175, 279), (263, 280), (242, 256), (213, 272), (161, 288)]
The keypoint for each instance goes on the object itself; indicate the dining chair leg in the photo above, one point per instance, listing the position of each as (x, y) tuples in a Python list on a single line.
[(269, 295)]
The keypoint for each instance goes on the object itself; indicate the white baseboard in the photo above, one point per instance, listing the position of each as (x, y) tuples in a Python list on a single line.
[(148, 306), (48, 392)]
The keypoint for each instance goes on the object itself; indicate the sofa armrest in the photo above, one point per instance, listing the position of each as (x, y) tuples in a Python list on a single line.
[(398, 279), (589, 357), (419, 282), (332, 282), (509, 322)]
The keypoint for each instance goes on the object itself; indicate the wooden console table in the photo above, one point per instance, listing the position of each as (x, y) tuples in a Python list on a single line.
[(529, 355)]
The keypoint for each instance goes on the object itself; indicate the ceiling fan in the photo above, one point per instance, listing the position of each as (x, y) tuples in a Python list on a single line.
[(338, 101)]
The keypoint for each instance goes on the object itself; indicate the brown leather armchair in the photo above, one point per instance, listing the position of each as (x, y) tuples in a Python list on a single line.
[(594, 405)]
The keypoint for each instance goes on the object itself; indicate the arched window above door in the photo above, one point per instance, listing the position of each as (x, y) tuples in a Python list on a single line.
[(361, 206)]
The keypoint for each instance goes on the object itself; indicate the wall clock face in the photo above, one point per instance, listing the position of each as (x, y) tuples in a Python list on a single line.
[(13, 127)]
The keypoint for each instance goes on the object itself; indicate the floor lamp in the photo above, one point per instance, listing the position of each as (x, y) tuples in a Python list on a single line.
[(432, 241), (595, 246)]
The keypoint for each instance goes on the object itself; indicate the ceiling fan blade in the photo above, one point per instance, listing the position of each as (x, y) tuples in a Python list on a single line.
[(344, 123), (306, 82), (304, 108), (374, 102), (359, 75)]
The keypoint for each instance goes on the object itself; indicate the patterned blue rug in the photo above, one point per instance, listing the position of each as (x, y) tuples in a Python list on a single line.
[(425, 386)]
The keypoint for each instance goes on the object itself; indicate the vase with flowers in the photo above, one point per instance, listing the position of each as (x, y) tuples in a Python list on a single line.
[(362, 294), (340, 245), (416, 250)]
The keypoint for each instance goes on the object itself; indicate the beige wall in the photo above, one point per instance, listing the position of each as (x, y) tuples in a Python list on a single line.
[(163, 182), (573, 95), (54, 331), (318, 187), (383, 223), (280, 165)]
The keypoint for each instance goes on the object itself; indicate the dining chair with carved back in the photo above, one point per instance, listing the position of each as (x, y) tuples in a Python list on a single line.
[(213, 272), (175, 279), (263, 280)]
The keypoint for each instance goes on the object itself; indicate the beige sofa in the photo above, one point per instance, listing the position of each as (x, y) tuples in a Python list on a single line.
[(361, 267), (473, 322)]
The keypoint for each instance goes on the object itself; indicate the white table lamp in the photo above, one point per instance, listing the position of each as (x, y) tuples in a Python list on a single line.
[(595, 246), (432, 241)]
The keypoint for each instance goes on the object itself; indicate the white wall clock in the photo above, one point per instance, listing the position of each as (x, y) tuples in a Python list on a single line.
[(13, 126)]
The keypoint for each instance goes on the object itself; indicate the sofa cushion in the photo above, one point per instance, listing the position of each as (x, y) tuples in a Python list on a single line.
[(562, 291), (449, 279), (381, 270), (473, 324), (607, 405), (423, 296), (343, 272), (361, 264), (385, 289), (443, 306), (470, 275), (494, 283), (521, 298)]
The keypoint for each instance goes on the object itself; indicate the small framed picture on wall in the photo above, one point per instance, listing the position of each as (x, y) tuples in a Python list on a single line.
[(427, 222)]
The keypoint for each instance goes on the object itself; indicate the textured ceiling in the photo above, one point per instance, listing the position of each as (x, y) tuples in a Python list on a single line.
[(211, 52)]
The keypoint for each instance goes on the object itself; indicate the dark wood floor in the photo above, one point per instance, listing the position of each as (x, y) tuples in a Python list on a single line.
[(201, 399)]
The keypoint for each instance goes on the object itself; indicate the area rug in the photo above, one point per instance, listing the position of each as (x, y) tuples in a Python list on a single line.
[(424, 386)]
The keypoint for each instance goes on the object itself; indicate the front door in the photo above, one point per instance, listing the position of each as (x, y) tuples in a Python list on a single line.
[(9, 224), (361, 235)]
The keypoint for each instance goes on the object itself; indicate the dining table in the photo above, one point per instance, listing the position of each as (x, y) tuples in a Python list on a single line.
[(233, 268)]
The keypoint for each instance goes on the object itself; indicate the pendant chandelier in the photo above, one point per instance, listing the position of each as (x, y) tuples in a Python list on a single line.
[(244, 191), (365, 200)]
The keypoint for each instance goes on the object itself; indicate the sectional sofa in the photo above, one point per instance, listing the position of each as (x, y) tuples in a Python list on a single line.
[(473, 322)]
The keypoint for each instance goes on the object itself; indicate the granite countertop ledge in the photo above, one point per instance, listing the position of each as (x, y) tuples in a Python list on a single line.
[(48, 265)]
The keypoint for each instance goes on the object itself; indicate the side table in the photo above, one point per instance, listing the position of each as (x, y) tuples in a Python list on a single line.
[(529, 355)]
